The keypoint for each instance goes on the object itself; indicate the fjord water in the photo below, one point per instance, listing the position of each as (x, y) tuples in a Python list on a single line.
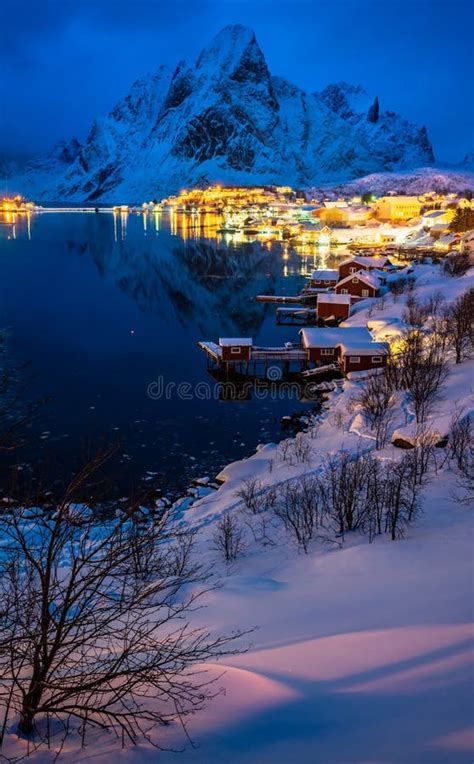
[(99, 306)]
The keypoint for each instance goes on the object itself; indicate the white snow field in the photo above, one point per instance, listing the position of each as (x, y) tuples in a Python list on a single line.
[(363, 652)]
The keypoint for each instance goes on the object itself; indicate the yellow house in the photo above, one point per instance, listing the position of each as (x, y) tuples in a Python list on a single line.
[(343, 214), (397, 209), (437, 217)]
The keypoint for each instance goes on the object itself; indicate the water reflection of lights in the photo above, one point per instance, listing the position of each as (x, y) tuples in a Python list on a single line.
[(123, 223)]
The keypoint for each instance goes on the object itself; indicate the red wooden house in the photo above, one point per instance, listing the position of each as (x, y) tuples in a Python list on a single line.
[(323, 279), (235, 348), (359, 285), (358, 263), (336, 306), (352, 347)]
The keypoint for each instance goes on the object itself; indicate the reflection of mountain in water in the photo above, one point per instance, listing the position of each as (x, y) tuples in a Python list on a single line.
[(192, 282)]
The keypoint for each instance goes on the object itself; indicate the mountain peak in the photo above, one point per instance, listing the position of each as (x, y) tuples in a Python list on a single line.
[(235, 52)]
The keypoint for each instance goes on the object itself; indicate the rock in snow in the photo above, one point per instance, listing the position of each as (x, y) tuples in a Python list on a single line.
[(224, 117)]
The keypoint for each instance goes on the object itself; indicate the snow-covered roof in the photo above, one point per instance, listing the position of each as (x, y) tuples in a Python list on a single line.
[(226, 342), (330, 297), (364, 276), (370, 262), (324, 337), (435, 214), (448, 238), (368, 347), (324, 275)]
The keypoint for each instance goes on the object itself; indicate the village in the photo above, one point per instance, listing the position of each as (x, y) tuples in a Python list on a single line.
[(409, 224), (326, 345)]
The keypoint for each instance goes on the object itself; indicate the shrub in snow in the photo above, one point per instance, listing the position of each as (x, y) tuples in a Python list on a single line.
[(344, 492), (458, 321), (401, 497), (420, 368), (457, 265), (228, 538), (461, 451), (376, 401), (255, 498), (299, 509)]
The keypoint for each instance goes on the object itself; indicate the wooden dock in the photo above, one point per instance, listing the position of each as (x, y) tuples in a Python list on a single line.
[(294, 299), (262, 361), (319, 370)]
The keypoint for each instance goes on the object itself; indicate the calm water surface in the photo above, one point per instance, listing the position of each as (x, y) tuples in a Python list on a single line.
[(100, 306)]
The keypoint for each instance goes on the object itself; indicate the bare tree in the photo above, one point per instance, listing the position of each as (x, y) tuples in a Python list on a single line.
[(420, 368), (94, 620), (344, 494), (398, 287), (376, 400), (461, 451), (415, 312), (298, 507), (461, 439), (457, 265), (228, 538), (401, 497), (255, 497), (421, 459), (459, 319), (434, 303), (376, 499)]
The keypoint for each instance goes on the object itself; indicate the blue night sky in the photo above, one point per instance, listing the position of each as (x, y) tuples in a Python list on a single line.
[(63, 63)]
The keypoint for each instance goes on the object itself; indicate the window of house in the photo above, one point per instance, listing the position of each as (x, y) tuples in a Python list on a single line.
[(235, 350), (343, 291), (365, 293), (355, 281), (354, 359), (376, 359), (327, 351), (352, 270)]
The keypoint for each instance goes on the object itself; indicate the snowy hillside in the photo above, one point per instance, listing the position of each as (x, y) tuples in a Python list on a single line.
[(224, 117), (419, 181)]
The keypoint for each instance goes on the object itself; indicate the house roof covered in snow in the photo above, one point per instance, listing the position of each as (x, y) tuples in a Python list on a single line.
[(337, 299), (368, 262), (324, 337), (225, 342), (435, 214), (367, 278), (449, 238), (324, 275), (353, 347)]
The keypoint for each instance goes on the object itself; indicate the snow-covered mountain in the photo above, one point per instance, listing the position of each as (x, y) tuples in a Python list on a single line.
[(418, 181), (224, 117)]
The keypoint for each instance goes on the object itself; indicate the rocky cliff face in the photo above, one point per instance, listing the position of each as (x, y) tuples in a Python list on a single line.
[(225, 118)]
